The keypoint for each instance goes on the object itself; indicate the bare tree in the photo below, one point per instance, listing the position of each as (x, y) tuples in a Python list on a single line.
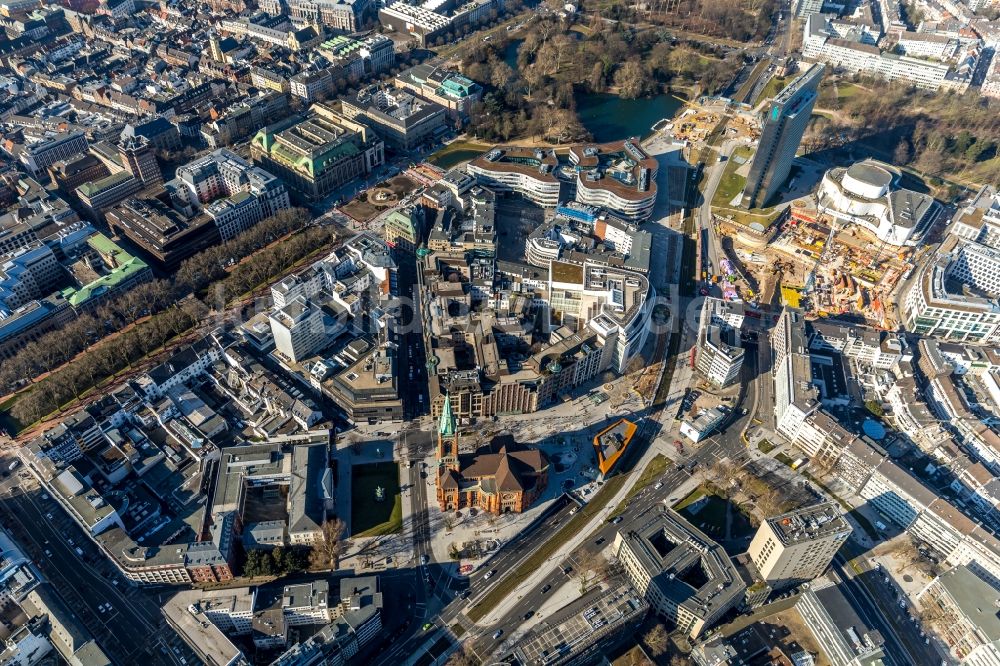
[(462, 657), (631, 80), (590, 566), (657, 640), (724, 473), (327, 549), (769, 502)]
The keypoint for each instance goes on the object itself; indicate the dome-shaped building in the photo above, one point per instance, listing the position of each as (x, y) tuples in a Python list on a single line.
[(868, 194)]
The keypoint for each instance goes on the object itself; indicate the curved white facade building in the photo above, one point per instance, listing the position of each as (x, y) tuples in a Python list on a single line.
[(528, 171), (868, 194), (619, 176)]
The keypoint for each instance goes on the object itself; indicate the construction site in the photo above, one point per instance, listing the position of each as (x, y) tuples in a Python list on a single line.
[(809, 261)]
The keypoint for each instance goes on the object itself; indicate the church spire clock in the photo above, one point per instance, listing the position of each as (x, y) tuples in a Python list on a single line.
[(447, 436)]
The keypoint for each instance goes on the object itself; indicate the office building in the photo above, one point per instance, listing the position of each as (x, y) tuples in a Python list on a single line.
[(685, 576), (318, 153), (843, 636), (404, 228), (70, 173), (158, 131), (139, 159), (233, 193), (804, 8), (432, 21), (581, 233), (619, 176), (402, 119), (785, 123), (868, 194), (98, 196), (298, 329), (719, 354), (357, 621), (446, 87), (367, 56), (954, 294), (307, 603), (798, 546), (795, 396), (613, 303), (979, 220), (28, 274), (868, 346), (311, 86), (530, 172), (37, 157), (164, 234), (611, 443), (345, 15), (702, 424), (596, 623)]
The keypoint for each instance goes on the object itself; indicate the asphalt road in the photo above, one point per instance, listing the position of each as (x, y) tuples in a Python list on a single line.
[(714, 448), (875, 602), (134, 630)]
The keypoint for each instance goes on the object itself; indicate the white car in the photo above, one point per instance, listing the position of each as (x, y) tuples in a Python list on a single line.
[(659, 484), (489, 574)]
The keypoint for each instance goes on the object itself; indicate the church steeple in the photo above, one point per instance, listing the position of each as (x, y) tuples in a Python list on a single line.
[(447, 436)]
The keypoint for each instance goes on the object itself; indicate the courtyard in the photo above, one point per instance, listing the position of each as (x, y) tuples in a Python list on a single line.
[(371, 516), (716, 516)]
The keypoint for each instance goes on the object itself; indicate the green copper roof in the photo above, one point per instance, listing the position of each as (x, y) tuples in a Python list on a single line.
[(446, 427), (126, 267)]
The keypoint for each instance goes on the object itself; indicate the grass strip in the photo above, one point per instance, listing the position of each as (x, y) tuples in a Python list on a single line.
[(656, 467)]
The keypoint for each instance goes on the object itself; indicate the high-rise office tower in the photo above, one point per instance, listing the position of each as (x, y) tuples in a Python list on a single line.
[(139, 159), (784, 126), (798, 546)]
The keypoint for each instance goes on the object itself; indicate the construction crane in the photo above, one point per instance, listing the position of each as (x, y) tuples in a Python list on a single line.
[(822, 257)]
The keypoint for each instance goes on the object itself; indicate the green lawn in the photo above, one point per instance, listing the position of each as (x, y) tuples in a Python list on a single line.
[(696, 495), (731, 182), (547, 549), (783, 459), (656, 467), (765, 446), (368, 516), (846, 90), (773, 87), (710, 517), (730, 185)]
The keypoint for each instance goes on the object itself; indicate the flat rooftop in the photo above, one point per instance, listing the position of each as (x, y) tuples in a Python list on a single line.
[(811, 522)]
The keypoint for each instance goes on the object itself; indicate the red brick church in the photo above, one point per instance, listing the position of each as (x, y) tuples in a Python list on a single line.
[(501, 477)]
